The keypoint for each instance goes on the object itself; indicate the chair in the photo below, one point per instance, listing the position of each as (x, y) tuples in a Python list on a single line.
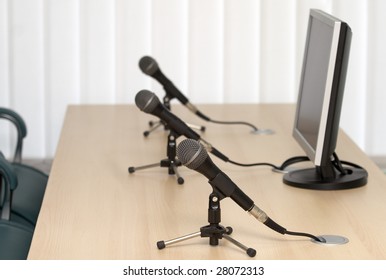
[(19, 123), (15, 238), (28, 196)]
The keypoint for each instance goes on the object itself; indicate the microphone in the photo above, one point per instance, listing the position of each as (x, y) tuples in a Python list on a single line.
[(150, 67), (149, 103), (194, 156)]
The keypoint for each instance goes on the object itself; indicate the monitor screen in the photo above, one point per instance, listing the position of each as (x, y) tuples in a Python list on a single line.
[(319, 104), (314, 86)]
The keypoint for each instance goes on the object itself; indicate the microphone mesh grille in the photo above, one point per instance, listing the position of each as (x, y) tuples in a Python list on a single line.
[(146, 101), (148, 65), (191, 153)]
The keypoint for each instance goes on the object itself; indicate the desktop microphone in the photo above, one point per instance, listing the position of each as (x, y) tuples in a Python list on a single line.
[(149, 103), (150, 67), (193, 155)]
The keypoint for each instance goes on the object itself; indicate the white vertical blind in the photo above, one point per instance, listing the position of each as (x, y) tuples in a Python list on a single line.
[(205, 51), (26, 71), (374, 93), (59, 52), (133, 40), (62, 70), (278, 34), (97, 51), (5, 136), (241, 51)]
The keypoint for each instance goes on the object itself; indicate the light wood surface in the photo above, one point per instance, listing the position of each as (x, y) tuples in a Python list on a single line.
[(95, 209)]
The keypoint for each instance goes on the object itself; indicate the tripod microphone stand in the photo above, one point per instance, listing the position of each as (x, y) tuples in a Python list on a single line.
[(214, 231), (156, 124), (171, 162)]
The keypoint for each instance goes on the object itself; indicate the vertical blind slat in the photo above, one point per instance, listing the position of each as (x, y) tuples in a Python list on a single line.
[(206, 51), (133, 40), (241, 51), (5, 138), (375, 136), (277, 51), (26, 76), (61, 65), (97, 41)]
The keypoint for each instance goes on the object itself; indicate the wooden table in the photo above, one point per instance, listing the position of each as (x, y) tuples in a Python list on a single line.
[(95, 209)]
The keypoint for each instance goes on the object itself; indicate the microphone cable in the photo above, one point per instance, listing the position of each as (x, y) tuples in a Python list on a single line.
[(278, 228), (318, 239), (336, 162), (201, 115), (284, 165)]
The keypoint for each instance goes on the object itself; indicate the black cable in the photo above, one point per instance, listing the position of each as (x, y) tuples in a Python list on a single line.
[(273, 225), (338, 164), (201, 115), (291, 161), (351, 164), (236, 123), (278, 228), (306, 235), (284, 165), (254, 164)]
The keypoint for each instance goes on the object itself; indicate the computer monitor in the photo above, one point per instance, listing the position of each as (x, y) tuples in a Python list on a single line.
[(319, 106)]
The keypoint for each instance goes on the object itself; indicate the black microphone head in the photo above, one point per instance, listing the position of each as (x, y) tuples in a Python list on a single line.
[(148, 65), (191, 153), (146, 101)]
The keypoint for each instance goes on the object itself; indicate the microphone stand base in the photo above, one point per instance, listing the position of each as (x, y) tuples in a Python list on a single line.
[(214, 231), (171, 165), (171, 162), (153, 127)]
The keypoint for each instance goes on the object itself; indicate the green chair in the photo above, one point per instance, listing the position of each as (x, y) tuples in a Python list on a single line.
[(19, 123), (28, 196), (15, 238)]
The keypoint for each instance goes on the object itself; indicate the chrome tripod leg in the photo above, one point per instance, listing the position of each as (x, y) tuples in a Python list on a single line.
[(163, 244), (195, 126), (154, 127), (180, 180), (250, 251), (133, 169)]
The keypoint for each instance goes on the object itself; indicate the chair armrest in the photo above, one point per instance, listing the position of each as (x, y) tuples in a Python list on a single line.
[(8, 181), (21, 127)]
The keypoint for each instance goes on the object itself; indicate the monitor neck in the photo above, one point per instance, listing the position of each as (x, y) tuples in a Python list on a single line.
[(326, 172)]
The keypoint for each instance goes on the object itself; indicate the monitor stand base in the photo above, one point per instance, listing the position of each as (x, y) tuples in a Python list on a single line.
[(311, 179)]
